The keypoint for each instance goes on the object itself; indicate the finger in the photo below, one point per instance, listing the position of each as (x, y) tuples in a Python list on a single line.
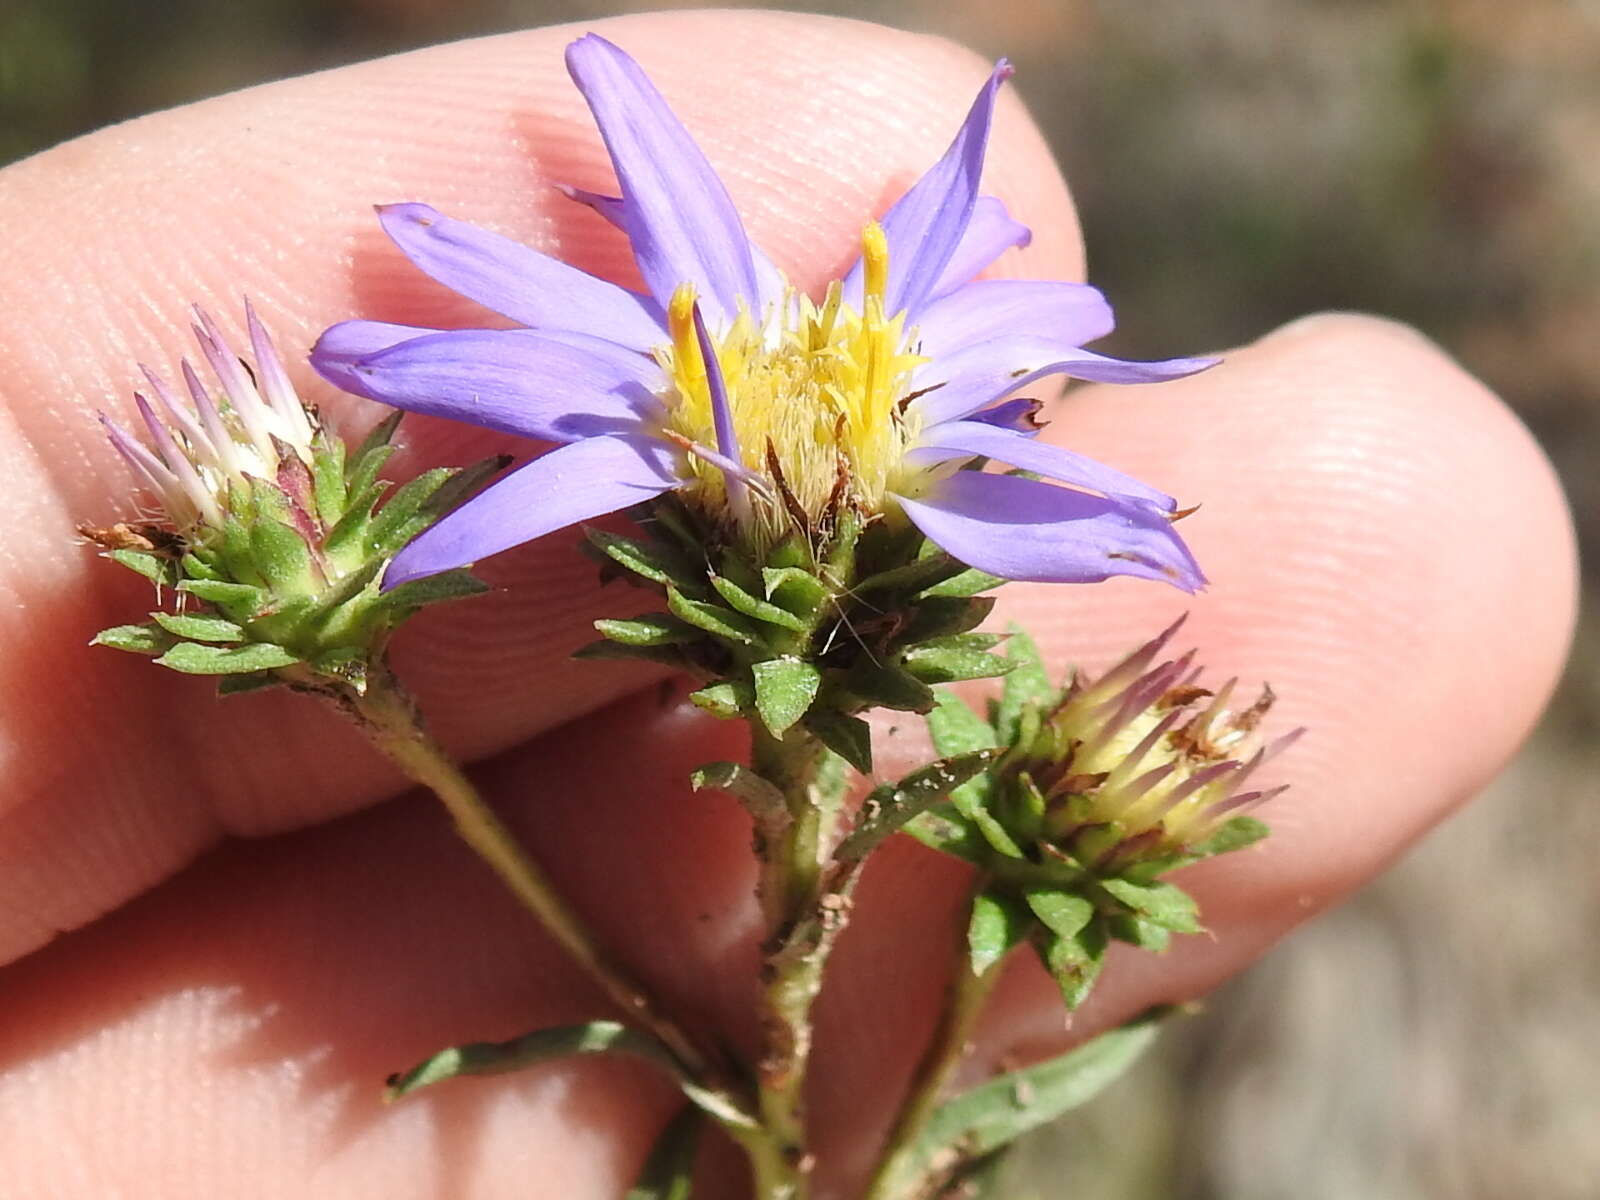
[(120, 773), (339, 930)]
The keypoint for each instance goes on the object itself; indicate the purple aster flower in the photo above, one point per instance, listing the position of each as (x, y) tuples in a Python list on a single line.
[(762, 407)]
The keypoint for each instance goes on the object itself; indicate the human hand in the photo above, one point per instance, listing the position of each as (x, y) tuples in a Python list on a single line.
[(224, 1033)]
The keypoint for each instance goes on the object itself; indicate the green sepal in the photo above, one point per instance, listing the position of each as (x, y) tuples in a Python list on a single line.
[(241, 601), (795, 591), (754, 607), (1075, 962), (931, 566), (712, 618), (651, 561), (1028, 683), (883, 685), (199, 627), (891, 806), (941, 616), (192, 658), (784, 690), (236, 685), (432, 589), (1064, 913), (402, 516), (149, 638), (956, 729), (1164, 904), (282, 557), (970, 582), (162, 572), (997, 924), (328, 480), (346, 542), (987, 1118), (1235, 834), (848, 737), (652, 629), (370, 456), (943, 829), (729, 699), (668, 1173), (667, 655), (197, 567), (949, 660), (1136, 931)]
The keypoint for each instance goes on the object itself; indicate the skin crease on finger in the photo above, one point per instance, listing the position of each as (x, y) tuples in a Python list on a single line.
[(1385, 544)]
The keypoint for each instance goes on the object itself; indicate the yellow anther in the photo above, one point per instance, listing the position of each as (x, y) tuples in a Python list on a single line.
[(875, 261), (690, 367)]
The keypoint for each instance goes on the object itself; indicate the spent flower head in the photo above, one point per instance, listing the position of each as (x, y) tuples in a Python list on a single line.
[(1100, 788), (272, 537), (769, 412)]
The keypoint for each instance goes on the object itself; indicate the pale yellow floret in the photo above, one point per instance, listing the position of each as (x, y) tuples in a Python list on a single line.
[(816, 391)]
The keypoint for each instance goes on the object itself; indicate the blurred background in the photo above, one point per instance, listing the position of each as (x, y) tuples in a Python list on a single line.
[(1237, 163)]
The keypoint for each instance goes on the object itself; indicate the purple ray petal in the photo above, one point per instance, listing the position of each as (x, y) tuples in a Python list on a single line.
[(556, 387), (516, 281), (568, 485), (678, 214), (957, 439), (1020, 415), (963, 383), (770, 283), (925, 226), (1064, 313), (721, 417), (991, 232), (1021, 529)]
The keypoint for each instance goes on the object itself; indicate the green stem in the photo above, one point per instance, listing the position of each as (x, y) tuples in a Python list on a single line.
[(964, 1001), (390, 720)]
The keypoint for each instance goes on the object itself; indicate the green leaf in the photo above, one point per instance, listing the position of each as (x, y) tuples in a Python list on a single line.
[(848, 737), (668, 1174), (753, 606), (199, 627), (281, 555), (158, 570), (1027, 683), (785, 688), (1235, 834), (194, 659), (1064, 913), (761, 799), (727, 699), (136, 639), (653, 561), (952, 663), (998, 923), (891, 806), (1075, 962), (712, 618), (968, 583), (994, 1114), (238, 600), (652, 629), (1165, 904), (887, 686), (433, 589), (669, 656), (795, 590)]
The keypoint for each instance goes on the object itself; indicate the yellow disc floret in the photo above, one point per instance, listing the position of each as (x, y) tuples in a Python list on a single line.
[(816, 393)]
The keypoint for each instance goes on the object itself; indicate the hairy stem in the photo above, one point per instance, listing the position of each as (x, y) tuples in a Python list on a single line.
[(896, 1178)]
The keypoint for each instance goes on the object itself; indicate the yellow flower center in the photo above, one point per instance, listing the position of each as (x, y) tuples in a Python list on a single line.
[(816, 393)]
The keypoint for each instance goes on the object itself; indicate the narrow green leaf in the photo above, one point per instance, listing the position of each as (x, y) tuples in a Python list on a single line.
[(1165, 904), (785, 688), (668, 1174), (998, 923), (795, 590), (952, 664), (136, 639), (848, 737), (941, 616), (1064, 913), (238, 600), (910, 577), (402, 516), (433, 589), (713, 618), (654, 561), (1234, 835), (199, 627), (761, 799), (891, 806), (970, 582), (994, 1114), (1027, 683), (887, 686), (669, 656), (652, 629), (498, 1058), (727, 699), (194, 659), (158, 570), (753, 606)]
